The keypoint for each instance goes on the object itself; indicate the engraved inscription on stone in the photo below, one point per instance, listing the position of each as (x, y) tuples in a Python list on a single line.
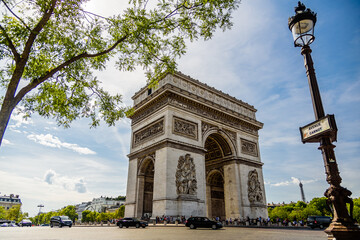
[(254, 189), (249, 147), (185, 128), (155, 129), (186, 183)]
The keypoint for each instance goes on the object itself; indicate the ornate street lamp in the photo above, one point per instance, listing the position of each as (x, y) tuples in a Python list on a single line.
[(324, 131), (302, 26)]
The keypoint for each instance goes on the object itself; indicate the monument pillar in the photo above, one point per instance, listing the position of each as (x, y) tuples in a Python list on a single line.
[(232, 191), (140, 195)]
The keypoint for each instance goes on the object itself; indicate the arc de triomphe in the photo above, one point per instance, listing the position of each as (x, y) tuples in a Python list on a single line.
[(194, 151)]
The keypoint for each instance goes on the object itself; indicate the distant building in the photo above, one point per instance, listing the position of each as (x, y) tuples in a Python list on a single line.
[(274, 205), (80, 208), (102, 204), (9, 201)]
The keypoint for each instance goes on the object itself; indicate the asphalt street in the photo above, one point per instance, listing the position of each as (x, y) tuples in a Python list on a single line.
[(156, 233)]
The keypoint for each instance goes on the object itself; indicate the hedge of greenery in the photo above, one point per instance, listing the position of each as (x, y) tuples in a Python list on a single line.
[(301, 210)]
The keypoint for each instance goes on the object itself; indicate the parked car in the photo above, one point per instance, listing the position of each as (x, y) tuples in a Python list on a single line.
[(4, 225), (202, 222), (7, 223), (25, 223), (318, 221), (60, 221), (127, 222), (12, 224)]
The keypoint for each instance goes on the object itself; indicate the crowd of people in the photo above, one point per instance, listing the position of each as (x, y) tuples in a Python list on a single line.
[(170, 219), (260, 221)]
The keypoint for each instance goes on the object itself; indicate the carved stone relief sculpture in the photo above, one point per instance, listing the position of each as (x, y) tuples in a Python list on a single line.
[(254, 188), (212, 114), (144, 158), (231, 134), (206, 127), (185, 128), (156, 128), (249, 147), (186, 183)]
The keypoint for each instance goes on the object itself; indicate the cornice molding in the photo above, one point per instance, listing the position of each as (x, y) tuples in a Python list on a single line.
[(168, 97), (196, 90), (166, 143)]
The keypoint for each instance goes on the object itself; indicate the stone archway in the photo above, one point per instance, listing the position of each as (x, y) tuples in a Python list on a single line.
[(217, 148), (146, 188), (215, 185)]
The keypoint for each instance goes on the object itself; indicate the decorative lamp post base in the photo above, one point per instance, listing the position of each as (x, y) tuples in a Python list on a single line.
[(341, 231)]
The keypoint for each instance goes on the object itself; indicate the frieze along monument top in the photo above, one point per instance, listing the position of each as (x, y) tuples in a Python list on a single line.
[(194, 152)]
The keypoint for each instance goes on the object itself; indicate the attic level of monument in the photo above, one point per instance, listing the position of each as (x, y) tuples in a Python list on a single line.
[(188, 83), (194, 151), (184, 92)]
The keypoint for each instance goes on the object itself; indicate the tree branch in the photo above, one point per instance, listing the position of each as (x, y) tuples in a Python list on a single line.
[(23, 58), (90, 13), (27, 27), (45, 18), (11, 45), (49, 74)]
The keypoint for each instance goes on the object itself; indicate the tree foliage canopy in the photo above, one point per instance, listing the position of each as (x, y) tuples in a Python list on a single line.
[(50, 48), (69, 211), (301, 210), (44, 218), (14, 213)]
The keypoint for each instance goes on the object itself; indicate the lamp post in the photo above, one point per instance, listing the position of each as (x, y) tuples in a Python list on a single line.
[(40, 206), (323, 130)]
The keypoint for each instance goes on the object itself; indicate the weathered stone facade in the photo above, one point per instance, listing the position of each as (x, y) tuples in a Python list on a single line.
[(194, 152)]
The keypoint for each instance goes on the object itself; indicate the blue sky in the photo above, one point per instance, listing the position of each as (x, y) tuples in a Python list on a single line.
[(256, 62)]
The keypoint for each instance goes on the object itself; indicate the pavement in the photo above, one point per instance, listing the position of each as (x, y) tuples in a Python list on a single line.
[(158, 232)]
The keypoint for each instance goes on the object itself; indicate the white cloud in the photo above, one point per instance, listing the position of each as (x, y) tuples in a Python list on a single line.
[(294, 181), (34, 191), (6, 142), (20, 121), (49, 176), (51, 141), (72, 184)]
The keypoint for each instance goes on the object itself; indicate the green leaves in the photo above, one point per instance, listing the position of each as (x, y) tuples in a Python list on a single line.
[(300, 210), (51, 48)]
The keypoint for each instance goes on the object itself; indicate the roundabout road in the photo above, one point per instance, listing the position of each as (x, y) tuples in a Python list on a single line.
[(156, 233)]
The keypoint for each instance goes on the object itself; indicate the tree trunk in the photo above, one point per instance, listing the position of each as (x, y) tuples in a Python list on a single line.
[(5, 113)]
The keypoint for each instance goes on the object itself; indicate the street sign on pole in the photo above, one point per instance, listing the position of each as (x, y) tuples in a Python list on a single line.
[(314, 131)]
